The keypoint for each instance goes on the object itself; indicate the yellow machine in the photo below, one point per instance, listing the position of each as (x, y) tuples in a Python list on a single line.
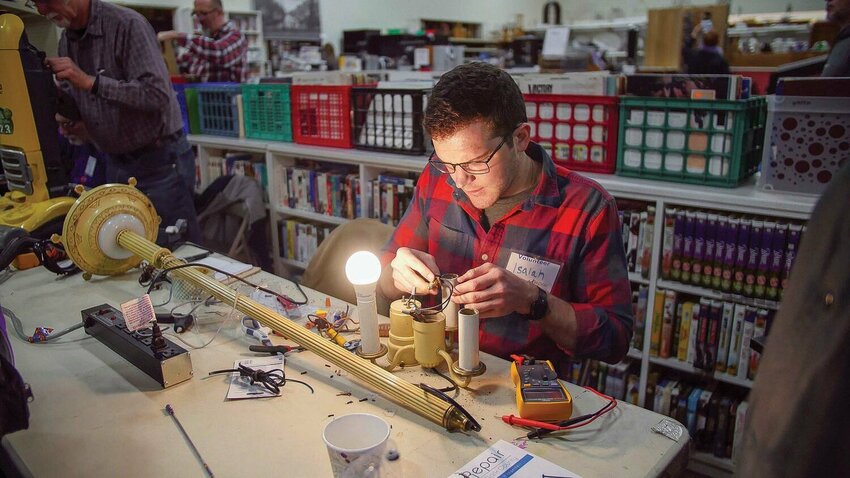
[(539, 393), (29, 149)]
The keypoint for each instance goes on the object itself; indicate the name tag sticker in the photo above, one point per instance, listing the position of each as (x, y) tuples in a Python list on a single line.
[(90, 165), (538, 271)]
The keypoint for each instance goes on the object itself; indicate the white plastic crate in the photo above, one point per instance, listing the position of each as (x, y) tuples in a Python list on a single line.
[(807, 142)]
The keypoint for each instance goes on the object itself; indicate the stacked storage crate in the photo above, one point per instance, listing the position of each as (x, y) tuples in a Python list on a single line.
[(574, 118)]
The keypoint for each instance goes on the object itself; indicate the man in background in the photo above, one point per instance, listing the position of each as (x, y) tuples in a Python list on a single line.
[(708, 60), (838, 62), (218, 54), (110, 64)]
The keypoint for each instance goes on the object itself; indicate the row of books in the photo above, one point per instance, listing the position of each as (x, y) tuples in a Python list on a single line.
[(714, 419), (731, 253), (234, 164), (619, 380), (330, 192), (711, 335), (298, 240), (390, 196), (638, 225)]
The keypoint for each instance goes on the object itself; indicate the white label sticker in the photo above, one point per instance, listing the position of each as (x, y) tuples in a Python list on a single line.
[(138, 312), (90, 165), (540, 272)]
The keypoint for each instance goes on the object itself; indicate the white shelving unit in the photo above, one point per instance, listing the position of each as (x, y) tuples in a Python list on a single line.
[(746, 199)]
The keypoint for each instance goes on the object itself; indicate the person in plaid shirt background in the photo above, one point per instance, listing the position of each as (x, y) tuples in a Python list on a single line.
[(537, 247), (219, 54)]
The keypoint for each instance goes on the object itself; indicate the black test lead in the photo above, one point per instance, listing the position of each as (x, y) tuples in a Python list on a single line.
[(170, 410)]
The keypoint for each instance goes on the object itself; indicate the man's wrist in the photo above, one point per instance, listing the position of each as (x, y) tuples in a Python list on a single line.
[(92, 82)]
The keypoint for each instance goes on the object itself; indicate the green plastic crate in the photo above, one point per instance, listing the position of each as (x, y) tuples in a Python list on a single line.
[(267, 111), (192, 110), (707, 142)]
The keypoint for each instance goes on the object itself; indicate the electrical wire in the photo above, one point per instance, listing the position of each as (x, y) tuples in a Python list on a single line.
[(165, 271), (447, 389), (576, 422), (19, 329), (271, 380), (434, 309), (230, 316)]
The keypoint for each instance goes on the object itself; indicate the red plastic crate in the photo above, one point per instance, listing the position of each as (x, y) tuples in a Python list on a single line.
[(579, 132), (321, 115)]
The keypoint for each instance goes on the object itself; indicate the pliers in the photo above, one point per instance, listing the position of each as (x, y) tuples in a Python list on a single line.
[(275, 349)]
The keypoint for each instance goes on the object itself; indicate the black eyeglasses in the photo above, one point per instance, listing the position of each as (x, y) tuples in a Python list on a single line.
[(199, 13), (471, 167)]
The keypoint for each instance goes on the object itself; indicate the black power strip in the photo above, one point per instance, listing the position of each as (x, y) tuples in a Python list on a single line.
[(167, 363)]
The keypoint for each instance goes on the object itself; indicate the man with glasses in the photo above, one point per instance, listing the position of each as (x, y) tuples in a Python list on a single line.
[(217, 55), (537, 247), (109, 63)]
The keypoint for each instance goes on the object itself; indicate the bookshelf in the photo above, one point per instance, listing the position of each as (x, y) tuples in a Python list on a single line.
[(746, 199)]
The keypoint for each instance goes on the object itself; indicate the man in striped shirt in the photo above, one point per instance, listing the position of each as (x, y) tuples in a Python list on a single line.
[(217, 55), (537, 247)]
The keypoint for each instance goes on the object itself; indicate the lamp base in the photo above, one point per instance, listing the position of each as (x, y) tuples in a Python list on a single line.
[(380, 353), (469, 373)]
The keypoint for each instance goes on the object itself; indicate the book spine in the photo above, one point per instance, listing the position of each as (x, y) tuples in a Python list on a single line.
[(708, 261), (716, 315), (702, 333), (742, 249), (685, 331), (692, 335), (667, 243), (688, 245), (699, 248), (678, 244), (759, 330), (795, 231), (725, 328), (667, 328), (746, 336), (777, 252), (765, 250), (752, 261), (721, 233), (657, 323), (735, 339)]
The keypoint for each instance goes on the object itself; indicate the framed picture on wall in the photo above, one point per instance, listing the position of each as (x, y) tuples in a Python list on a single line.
[(290, 19)]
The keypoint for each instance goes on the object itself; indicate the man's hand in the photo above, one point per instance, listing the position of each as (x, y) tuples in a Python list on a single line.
[(412, 268), (65, 69), (494, 291), (168, 35)]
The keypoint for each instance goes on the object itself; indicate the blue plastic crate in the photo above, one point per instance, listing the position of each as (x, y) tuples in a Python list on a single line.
[(219, 115)]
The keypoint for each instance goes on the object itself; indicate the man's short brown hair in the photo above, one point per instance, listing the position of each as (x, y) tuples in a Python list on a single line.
[(472, 92)]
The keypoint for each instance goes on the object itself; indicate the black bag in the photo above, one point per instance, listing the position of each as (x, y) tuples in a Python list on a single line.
[(14, 392)]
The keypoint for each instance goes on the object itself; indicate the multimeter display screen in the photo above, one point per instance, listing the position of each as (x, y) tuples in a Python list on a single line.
[(545, 395)]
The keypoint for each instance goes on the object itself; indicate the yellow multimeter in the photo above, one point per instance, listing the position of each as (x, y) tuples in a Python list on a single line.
[(539, 393)]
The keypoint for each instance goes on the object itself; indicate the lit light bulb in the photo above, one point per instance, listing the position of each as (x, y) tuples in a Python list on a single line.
[(362, 268)]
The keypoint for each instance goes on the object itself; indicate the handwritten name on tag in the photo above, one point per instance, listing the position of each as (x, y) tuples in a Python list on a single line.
[(540, 272)]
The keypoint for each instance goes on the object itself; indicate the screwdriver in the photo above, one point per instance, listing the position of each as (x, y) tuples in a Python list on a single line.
[(170, 410)]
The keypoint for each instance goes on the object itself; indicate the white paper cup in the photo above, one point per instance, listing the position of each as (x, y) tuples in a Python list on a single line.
[(350, 437)]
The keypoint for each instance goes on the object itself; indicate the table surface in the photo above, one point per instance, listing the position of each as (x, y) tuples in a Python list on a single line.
[(95, 414)]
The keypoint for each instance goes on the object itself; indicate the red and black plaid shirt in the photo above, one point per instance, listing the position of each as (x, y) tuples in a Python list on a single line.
[(217, 58), (568, 219)]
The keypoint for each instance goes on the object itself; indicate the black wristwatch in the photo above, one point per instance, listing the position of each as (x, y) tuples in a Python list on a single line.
[(540, 305)]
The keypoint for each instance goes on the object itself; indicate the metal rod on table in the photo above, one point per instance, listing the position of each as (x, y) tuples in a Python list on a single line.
[(170, 410)]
